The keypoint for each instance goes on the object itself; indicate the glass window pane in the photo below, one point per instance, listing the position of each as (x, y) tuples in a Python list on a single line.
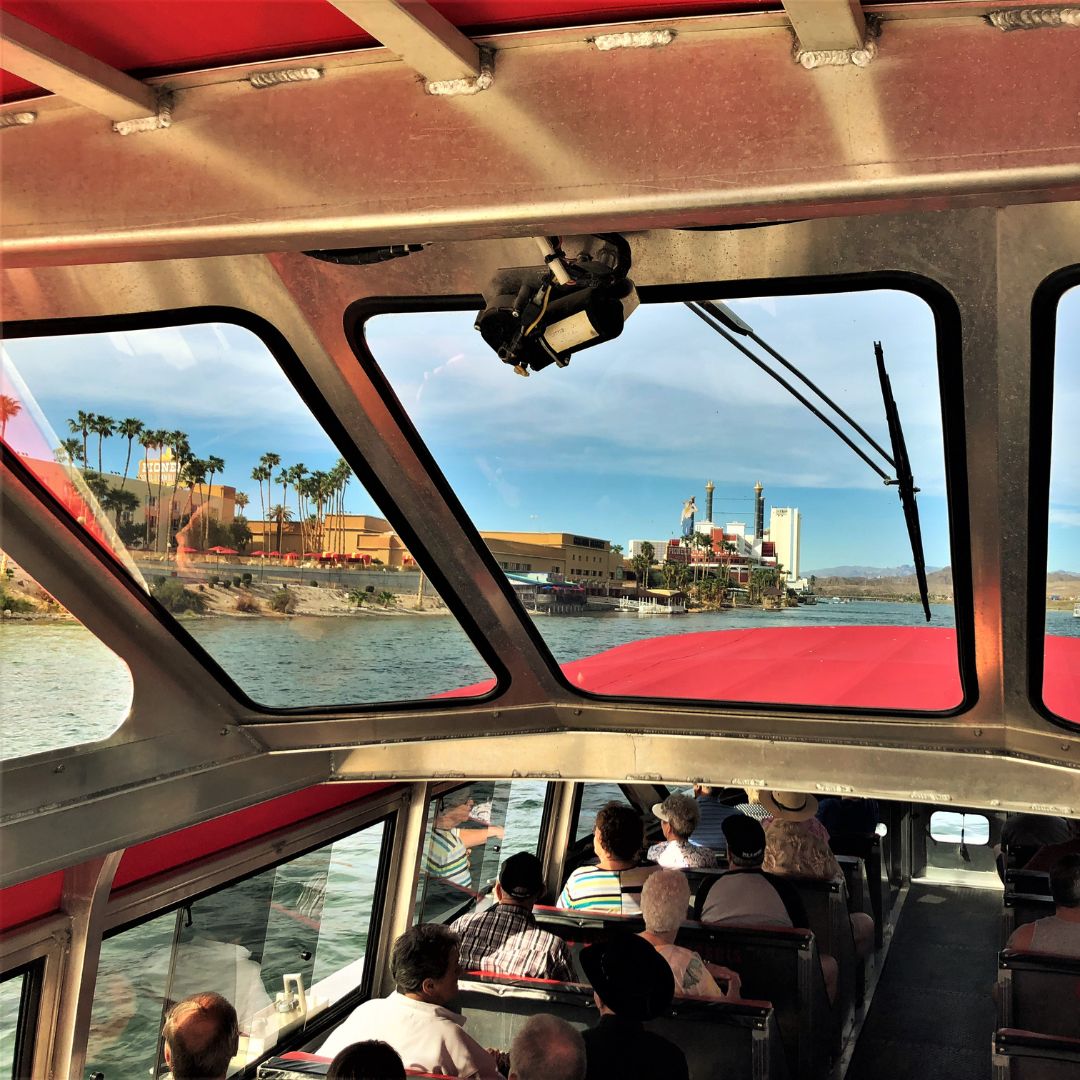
[(187, 453), (580, 482), (282, 946), (11, 991), (947, 827), (1061, 670), (59, 686), (593, 798), (470, 832)]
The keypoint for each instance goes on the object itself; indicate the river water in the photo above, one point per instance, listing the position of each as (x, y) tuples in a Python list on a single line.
[(61, 686)]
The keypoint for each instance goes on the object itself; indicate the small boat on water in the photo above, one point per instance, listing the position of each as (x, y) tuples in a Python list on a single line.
[(1076, 611)]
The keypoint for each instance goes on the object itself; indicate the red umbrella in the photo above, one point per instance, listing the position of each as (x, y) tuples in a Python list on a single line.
[(291, 555), (227, 551), (273, 554), (312, 554), (260, 554), (185, 550)]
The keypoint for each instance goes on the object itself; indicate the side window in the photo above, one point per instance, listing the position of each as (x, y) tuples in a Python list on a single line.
[(470, 831), (16, 1022), (282, 946), (593, 797)]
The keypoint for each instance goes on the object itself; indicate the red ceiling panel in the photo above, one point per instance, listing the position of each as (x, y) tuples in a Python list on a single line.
[(160, 36)]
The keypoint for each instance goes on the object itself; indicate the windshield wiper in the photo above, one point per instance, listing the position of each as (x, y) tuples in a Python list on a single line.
[(904, 482), (720, 318)]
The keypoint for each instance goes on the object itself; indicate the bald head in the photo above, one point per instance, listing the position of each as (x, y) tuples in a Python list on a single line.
[(547, 1048), (201, 1036)]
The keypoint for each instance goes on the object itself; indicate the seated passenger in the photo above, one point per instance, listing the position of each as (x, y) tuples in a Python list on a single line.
[(664, 901), (201, 1037), (793, 806), (679, 816), (547, 1048), (415, 1019), (631, 984), (851, 824), (371, 1060), (1058, 933), (613, 885), (505, 938), (711, 813), (746, 895), (1045, 858), (793, 851)]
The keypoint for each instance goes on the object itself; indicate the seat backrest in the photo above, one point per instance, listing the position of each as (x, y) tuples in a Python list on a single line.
[(1039, 992), (782, 966), (1026, 1055), (1020, 908), (776, 964), (301, 1066), (722, 1040)]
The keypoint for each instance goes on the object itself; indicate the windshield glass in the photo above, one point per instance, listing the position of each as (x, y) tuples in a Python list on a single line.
[(665, 503)]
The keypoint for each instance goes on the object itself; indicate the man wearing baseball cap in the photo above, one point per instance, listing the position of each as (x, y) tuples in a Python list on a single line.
[(505, 938)]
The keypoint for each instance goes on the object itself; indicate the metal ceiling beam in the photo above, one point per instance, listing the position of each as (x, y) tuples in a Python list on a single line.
[(417, 33), (69, 73), (824, 25)]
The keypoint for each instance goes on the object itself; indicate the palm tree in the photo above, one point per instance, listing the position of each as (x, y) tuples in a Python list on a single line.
[(71, 449), (98, 485), (280, 514), (259, 474), (340, 475), (178, 443), (10, 407), (129, 429), (241, 500), (149, 440), (295, 475), (119, 502), (81, 426), (213, 465), (102, 427)]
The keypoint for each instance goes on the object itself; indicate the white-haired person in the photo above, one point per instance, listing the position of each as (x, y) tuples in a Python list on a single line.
[(547, 1048), (665, 898), (679, 816)]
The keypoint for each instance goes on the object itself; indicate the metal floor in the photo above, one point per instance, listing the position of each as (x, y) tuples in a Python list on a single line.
[(932, 1016)]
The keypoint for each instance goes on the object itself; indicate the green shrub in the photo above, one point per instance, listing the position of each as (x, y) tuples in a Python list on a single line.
[(236, 582), (227, 584), (246, 579), (357, 597), (15, 604), (387, 598), (369, 588), (283, 602), (246, 604), (314, 584), (213, 580), (171, 594)]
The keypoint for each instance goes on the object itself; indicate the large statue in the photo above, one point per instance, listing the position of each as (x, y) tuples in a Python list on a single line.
[(689, 509)]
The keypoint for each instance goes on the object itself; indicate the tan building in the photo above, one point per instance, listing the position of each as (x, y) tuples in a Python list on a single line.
[(576, 558)]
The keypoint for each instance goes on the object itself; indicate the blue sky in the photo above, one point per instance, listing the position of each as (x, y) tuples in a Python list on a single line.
[(610, 446)]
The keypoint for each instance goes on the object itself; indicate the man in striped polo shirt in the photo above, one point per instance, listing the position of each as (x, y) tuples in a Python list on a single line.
[(613, 886)]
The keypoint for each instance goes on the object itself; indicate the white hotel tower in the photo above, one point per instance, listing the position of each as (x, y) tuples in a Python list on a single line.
[(785, 524)]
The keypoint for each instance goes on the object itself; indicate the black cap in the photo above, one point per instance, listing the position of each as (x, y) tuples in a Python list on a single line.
[(522, 876), (745, 837), (631, 978)]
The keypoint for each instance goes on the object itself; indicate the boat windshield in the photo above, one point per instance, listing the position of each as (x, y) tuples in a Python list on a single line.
[(662, 486)]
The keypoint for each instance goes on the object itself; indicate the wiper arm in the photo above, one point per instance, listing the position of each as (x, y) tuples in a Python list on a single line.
[(727, 324), (904, 482), (717, 322)]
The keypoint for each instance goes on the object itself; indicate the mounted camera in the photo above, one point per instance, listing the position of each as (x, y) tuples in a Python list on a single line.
[(536, 316)]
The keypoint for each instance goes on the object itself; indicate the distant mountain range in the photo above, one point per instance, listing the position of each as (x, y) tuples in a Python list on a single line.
[(868, 571)]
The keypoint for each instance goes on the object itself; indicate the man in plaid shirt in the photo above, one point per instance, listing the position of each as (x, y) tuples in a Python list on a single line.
[(505, 938)]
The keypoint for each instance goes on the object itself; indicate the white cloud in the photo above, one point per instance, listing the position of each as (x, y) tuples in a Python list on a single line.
[(1068, 518)]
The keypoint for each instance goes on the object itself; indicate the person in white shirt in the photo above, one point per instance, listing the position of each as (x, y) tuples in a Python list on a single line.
[(415, 1019), (679, 816)]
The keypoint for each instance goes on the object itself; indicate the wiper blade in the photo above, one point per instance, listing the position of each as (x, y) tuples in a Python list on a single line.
[(727, 324), (905, 482)]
